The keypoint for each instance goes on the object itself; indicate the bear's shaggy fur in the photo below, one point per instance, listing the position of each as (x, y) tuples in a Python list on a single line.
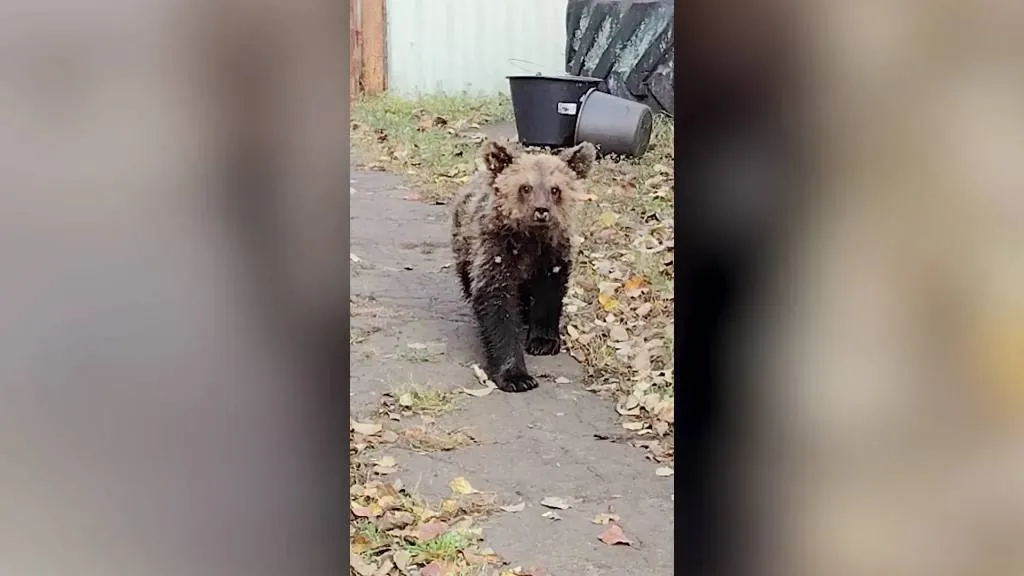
[(510, 236)]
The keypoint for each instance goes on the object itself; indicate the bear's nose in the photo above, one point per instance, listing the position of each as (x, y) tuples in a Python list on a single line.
[(541, 214)]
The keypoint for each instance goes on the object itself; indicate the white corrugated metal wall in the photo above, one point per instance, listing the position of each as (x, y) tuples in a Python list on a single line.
[(450, 46)]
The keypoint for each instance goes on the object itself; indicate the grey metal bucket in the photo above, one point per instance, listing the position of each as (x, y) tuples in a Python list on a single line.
[(615, 125)]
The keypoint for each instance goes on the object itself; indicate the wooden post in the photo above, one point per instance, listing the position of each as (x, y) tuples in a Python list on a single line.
[(355, 51), (373, 35)]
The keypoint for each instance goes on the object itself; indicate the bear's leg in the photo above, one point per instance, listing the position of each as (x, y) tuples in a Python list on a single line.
[(548, 286), (463, 270), (524, 304), (496, 305)]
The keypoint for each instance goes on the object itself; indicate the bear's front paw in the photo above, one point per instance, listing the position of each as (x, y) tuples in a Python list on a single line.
[(514, 380)]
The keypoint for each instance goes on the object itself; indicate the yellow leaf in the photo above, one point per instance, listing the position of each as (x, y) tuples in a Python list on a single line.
[(608, 218), (634, 283), (449, 506), (461, 486), (607, 302), (359, 544)]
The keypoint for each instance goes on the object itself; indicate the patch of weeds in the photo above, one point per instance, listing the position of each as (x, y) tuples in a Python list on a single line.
[(433, 140), (417, 399), (370, 536), (430, 438), (395, 530), (447, 546), (417, 355), (360, 334)]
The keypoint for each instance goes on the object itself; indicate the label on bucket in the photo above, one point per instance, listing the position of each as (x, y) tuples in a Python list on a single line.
[(566, 108)]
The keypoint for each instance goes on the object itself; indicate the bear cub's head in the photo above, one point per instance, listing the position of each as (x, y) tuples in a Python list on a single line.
[(537, 190)]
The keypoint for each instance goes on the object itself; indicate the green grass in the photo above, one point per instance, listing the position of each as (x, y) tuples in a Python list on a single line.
[(433, 140), (424, 400), (375, 537), (447, 546)]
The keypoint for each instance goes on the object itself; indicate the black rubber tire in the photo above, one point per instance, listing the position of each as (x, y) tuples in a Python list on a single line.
[(627, 43)]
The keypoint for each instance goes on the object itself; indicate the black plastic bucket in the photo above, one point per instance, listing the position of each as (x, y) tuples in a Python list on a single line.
[(545, 107), (615, 125)]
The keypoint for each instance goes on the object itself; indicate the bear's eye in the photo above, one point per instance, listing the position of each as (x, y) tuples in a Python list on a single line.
[(525, 189), (555, 191)]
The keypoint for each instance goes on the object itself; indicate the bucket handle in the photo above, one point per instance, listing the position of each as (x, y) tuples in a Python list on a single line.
[(534, 71)]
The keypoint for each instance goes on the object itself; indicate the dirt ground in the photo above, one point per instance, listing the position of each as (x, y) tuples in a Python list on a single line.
[(558, 440)]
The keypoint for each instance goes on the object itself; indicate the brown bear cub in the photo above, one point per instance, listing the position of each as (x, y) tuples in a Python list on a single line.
[(510, 235)]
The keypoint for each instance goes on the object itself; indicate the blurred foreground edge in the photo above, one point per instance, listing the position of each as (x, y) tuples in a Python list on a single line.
[(736, 146), (850, 343), (174, 297)]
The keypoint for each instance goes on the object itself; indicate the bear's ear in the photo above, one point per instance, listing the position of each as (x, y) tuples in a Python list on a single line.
[(580, 158), (496, 157)]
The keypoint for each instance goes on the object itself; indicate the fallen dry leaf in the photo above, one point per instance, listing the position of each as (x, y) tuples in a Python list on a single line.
[(607, 303), (664, 471), (478, 392), (385, 568), (360, 566), (461, 486), (642, 361), (431, 530), (360, 511), (437, 568), (401, 558), (634, 284), (514, 507), (605, 518), (551, 515), (365, 428), (481, 557), (449, 506), (386, 462), (666, 411), (614, 535), (628, 406), (634, 426), (554, 502), (385, 465), (395, 519)]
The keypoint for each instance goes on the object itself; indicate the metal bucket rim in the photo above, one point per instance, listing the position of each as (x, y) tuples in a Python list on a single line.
[(565, 78)]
